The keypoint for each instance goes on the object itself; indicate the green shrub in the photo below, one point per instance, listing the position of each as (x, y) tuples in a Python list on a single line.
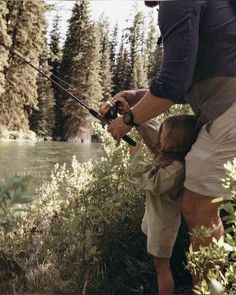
[(215, 266), (4, 133), (82, 235), (13, 196)]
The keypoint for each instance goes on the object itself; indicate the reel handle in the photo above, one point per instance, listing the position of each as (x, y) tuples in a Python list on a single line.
[(129, 140)]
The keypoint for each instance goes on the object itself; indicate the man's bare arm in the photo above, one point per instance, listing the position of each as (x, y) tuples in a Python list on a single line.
[(150, 107)]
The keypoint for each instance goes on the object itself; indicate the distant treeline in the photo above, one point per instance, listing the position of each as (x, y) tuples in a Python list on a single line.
[(93, 64)]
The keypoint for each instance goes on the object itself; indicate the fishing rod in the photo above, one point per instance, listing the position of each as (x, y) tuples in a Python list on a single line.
[(106, 120)]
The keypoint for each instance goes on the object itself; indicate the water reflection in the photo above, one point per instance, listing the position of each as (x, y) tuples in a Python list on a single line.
[(39, 158)]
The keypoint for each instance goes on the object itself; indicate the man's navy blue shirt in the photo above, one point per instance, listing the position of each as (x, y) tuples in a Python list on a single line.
[(199, 40)]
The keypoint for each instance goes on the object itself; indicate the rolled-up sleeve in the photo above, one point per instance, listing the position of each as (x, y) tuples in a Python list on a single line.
[(149, 131), (156, 181), (179, 23)]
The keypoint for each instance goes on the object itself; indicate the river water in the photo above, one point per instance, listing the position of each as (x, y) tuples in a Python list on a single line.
[(38, 159)]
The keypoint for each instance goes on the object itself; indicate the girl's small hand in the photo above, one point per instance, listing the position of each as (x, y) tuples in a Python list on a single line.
[(133, 150)]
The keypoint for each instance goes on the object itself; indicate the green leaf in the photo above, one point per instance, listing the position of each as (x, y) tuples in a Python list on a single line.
[(228, 207)]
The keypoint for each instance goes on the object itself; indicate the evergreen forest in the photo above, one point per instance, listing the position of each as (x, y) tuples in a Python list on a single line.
[(93, 63)]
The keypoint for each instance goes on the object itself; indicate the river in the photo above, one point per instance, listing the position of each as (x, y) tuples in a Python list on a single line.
[(38, 159)]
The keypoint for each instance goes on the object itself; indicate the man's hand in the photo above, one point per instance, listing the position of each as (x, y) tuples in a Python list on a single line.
[(147, 108), (124, 106), (128, 95), (118, 128), (131, 96)]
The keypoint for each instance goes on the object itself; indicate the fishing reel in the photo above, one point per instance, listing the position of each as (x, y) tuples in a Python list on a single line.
[(110, 112)]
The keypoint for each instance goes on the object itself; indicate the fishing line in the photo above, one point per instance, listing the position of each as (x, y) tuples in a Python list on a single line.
[(73, 88), (91, 111)]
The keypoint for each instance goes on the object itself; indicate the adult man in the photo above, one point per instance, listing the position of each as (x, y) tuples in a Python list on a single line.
[(198, 67)]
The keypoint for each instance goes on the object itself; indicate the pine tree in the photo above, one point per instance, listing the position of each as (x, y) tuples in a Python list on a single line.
[(155, 62), (153, 51), (113, 46), (55, 48), (105, 72), (121, 77), (139, 75), (95, 87), (137, 71), (79, 68), (54, 62), (3, 51), (42, 120), (25, 26)]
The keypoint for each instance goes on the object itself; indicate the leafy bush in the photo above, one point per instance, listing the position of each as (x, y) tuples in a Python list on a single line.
[(13, 195), (4, 133), (82, 234), (215, 266)]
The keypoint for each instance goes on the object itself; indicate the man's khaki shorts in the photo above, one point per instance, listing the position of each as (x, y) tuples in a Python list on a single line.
[(215, 145)]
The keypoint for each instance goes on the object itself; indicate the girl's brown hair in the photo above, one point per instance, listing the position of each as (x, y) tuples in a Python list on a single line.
[(180, 136)]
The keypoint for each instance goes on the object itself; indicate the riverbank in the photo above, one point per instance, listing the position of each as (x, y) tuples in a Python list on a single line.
[(7, 135)]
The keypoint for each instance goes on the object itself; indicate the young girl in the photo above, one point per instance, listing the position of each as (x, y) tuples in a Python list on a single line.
[(162, 181)]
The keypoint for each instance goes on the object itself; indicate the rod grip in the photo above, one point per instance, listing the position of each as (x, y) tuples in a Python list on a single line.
[(129, 140)]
